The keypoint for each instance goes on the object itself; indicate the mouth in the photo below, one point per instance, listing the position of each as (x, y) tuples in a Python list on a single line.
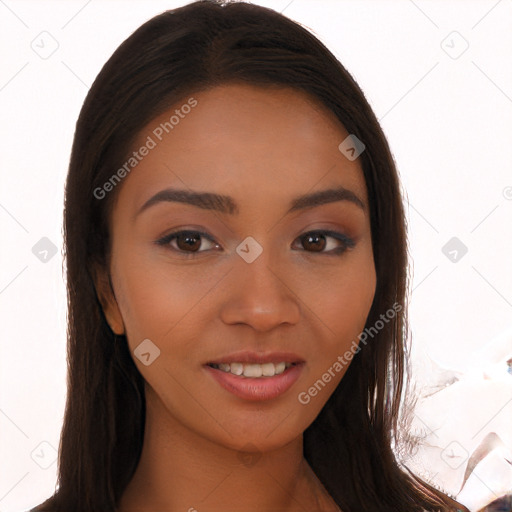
[(256, 378), (253, 370)]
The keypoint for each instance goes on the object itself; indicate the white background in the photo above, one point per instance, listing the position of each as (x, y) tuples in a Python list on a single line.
[(448, 122)]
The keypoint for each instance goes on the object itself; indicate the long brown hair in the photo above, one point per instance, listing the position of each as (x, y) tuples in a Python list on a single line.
[(177, 53)]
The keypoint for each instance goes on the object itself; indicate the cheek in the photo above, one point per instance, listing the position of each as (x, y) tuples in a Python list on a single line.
[(156, 296), (348, 303), (343, 304), (345, 293)]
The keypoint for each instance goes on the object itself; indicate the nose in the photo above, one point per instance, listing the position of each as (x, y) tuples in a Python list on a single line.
[(260, 295)]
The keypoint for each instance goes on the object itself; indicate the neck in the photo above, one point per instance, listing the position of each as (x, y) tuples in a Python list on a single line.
[(181, 470)]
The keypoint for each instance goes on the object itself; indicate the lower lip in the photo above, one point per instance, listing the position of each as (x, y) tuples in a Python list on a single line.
[(260, 388)]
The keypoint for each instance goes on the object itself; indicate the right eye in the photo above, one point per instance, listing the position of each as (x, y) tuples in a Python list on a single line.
[(186, 241)]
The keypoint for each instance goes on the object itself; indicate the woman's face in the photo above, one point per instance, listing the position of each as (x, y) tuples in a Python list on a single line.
[(254, 282)]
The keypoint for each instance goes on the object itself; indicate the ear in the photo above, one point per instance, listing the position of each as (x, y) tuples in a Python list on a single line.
[(108, 301)]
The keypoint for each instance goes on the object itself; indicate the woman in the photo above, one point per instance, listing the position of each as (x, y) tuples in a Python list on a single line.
[(237, 277)]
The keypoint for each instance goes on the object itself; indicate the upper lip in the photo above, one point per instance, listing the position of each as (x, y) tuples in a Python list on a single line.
[(258, 357)]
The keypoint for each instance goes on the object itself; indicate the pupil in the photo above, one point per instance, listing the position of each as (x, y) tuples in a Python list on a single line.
[(189, 241), (314, 239)]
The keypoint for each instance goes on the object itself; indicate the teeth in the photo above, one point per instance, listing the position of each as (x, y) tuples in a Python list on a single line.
[(236, 368), (253, 370), (268, 369), (280, 367)]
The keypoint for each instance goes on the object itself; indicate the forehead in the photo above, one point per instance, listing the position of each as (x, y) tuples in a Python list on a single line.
[(251, 142)]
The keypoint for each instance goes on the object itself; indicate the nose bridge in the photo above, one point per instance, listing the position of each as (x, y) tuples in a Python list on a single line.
[(258, 269), (262, 275), (258, 294)]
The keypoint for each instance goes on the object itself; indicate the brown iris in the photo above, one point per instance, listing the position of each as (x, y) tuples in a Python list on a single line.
[(188, 241), (310, 241)]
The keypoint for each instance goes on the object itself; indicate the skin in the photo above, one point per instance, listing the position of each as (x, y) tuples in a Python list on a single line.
[(205, 448)]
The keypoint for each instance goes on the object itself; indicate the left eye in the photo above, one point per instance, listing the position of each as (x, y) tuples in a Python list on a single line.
[(317, 241)]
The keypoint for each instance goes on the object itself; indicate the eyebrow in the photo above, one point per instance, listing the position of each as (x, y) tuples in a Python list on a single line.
[(226, 204)]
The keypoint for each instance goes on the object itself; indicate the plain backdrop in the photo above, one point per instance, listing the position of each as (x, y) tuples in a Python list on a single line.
[(438, 75)]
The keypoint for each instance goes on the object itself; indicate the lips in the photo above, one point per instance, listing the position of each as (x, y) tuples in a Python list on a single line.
[(256, 377)]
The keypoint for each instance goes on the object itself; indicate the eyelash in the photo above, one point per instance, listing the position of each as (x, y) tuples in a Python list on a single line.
[(347, 243)]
